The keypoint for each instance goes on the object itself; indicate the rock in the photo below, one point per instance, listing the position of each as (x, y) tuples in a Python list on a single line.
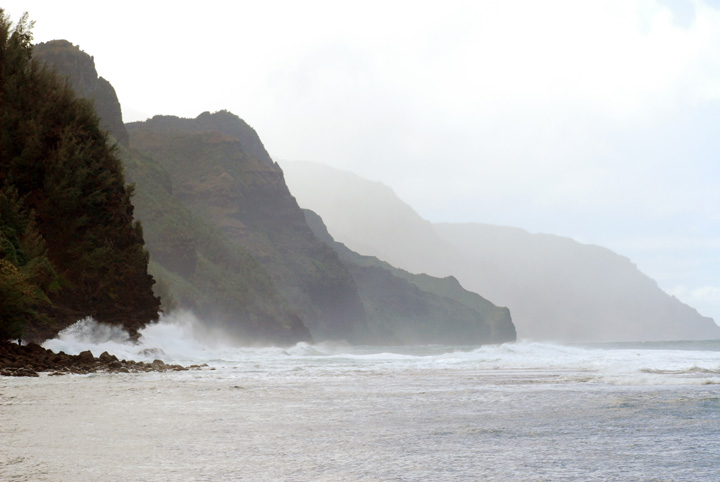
[(105, 357), (24, 372), (27, 361), (86, 357)]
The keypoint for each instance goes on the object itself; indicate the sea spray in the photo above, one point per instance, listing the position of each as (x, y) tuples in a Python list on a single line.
[(177, 337), (180, 337)]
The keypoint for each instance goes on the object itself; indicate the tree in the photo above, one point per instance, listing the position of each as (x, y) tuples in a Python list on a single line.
[(67, 226)]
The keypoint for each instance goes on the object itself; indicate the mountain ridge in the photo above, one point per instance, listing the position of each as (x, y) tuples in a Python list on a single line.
[(550, 299), (228, 241)]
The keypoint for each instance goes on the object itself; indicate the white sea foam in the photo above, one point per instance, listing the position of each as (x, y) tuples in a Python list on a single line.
[(175, 337), (331, 411), (181, 338)]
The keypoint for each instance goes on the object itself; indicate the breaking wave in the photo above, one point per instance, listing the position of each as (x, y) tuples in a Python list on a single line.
[(181, 338)]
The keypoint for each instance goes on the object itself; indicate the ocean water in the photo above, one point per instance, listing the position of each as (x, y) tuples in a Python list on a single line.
[(332, 412)]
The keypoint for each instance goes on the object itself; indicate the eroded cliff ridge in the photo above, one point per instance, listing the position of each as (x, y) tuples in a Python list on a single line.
[(228, 241), (196, 265), (407, 308), (557, 289), (79, 68), (220, 171)]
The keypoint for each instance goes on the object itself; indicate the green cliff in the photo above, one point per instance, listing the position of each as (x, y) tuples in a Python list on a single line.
[(79, 68), (220, 172), (200, 269)]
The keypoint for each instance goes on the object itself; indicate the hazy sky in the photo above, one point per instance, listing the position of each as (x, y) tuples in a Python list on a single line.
[(596, 120)]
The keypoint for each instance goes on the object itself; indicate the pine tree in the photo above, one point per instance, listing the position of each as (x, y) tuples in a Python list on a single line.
[(67, 226)]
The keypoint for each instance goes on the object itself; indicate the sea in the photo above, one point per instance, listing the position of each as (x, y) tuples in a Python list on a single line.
[(523, 411)]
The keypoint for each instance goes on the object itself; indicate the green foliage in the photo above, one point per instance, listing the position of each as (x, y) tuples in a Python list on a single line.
[(25, 272), (199, 268), (18, 297), (67, 220)]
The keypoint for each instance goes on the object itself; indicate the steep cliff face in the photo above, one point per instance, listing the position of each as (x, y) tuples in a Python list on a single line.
[(197, 267), (406, 308), (228, 241), (571, 291), (68, 242), (79, 68), (556, 288), (221, 173)]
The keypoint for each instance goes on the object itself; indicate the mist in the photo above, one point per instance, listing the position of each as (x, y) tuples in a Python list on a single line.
[(556, 288)]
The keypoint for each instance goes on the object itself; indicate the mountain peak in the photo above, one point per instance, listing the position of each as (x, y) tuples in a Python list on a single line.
[(70, 62)]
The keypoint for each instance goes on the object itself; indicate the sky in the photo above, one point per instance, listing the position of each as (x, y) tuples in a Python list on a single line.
[(590, 119)]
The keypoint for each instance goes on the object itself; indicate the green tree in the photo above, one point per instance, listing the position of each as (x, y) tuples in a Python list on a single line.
[(67, 226)]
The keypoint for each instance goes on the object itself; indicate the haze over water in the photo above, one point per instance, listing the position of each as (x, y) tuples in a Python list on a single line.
[(523, 411)]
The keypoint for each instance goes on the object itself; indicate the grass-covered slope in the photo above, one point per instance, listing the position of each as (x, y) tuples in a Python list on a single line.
[(69, 246), (221, 173), (199, 268)]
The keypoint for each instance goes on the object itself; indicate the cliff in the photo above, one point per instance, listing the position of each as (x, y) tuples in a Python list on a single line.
[(228, 241), (196, 266), (79, 68), (405, 308), (580, 292), (221, 173), (557, 289)]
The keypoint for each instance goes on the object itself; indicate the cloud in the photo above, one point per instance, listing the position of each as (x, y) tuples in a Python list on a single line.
[(706, 299)]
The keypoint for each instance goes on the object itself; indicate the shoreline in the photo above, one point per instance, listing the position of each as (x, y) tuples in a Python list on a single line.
[(32, 359)]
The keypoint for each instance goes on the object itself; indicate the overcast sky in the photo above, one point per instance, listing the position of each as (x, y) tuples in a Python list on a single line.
[(596, 120)]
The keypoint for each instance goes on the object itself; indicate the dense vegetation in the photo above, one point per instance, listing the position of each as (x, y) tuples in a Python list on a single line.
[(69, 247)]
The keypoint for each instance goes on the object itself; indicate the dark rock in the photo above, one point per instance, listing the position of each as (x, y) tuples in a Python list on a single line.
[(86, 357), (105, 357), (23, 372), (24, 361)]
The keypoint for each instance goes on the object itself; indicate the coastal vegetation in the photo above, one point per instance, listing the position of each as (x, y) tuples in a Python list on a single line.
[(69, 246)]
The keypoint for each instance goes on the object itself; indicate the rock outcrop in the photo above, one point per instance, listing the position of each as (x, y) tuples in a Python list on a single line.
[(32, 359)]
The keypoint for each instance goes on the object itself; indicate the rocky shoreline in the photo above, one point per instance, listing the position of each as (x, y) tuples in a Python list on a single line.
[(32, 359)]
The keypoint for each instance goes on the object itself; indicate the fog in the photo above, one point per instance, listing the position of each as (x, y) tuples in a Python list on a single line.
[(592, 120), (556, 288)]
